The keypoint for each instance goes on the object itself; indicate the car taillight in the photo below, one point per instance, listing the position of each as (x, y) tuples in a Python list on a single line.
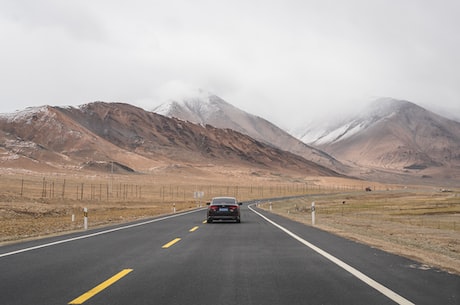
[(214, 207), (233, 208)]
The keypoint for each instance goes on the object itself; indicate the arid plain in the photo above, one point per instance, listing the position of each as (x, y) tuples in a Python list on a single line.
[(418, 222)]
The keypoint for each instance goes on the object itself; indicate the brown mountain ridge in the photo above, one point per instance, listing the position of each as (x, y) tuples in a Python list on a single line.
[(388, 141), (93, 135), (206, 108)]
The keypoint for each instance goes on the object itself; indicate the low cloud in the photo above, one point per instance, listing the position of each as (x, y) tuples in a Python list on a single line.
[(291, 61)]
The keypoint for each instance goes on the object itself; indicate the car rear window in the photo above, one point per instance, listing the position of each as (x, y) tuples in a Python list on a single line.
[(223, 201)]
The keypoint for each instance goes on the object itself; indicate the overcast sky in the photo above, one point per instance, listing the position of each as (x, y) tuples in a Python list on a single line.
[(287, 61)]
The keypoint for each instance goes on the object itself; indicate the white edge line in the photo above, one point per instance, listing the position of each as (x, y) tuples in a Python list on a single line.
[(372, 283), (95, 234)]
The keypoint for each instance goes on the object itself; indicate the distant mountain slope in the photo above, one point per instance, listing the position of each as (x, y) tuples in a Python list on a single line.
[(131, 138), (206, 108), (393, 134), (45, 137)]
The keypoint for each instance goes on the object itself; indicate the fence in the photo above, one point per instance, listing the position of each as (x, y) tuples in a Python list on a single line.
[(144, 188), (138, 189)]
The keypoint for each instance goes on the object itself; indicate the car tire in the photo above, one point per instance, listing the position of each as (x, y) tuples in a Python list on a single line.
[(209, 220)]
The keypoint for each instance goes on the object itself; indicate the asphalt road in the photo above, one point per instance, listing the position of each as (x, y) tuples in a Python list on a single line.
[(181, 260)]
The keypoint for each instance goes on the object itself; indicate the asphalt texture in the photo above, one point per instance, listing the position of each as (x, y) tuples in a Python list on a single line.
[(179, 259)]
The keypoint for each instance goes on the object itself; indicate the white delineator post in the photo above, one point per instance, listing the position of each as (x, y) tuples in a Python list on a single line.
[(85, 218), (313, 220)]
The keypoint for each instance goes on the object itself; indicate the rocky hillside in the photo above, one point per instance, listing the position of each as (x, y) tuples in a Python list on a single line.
[(95, 135), (209, 109)]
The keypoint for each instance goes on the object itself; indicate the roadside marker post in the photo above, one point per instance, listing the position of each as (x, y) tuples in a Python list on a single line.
[(313, 212), (174, 207), (85, 218)]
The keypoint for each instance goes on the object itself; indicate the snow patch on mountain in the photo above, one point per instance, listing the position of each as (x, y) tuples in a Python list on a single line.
[(26, 114), (339, 133), (198, 109), (326, 132)]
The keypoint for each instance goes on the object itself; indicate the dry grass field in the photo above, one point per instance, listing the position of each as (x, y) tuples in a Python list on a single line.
[(422, 223), (34, 205)]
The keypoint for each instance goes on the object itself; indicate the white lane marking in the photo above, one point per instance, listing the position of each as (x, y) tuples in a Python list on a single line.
[(95, 234), (372, 283)]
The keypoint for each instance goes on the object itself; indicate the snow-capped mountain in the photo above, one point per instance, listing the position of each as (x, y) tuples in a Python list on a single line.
[(392, 134), (200, 109), (327, 132), (209, 109), (205, 108)]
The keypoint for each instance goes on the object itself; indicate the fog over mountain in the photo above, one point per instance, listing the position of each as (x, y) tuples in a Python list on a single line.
[(286, 61), (392, 135), (388, 139)]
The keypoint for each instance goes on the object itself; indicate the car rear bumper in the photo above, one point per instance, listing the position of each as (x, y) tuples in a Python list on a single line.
[(223, 217)]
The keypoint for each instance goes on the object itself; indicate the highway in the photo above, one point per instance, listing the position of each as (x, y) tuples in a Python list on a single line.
[(179, 259)]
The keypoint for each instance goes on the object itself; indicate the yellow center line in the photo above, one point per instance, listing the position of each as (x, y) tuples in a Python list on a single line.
[(87, 295), (205, 221), (193, 229), (172, 242)]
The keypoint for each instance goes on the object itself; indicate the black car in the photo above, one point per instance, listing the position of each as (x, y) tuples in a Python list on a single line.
[(223, 208)]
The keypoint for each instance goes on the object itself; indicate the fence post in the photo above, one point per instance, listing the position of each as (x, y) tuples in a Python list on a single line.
[(44, 188), (63, 189)]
